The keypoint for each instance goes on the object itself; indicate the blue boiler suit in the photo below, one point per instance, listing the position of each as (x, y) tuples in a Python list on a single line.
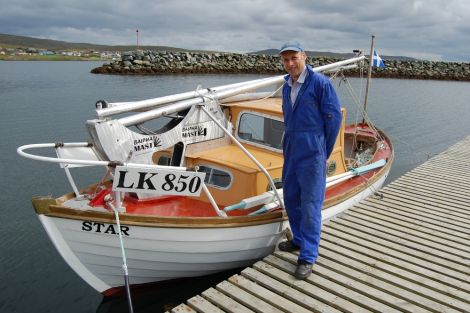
[(311, 127)]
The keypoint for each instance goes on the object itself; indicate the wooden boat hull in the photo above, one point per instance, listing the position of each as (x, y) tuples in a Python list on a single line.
[(156, 254), (160, 249)]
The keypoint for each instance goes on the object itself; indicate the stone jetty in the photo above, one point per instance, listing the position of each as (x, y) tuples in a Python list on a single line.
[(163, 62)]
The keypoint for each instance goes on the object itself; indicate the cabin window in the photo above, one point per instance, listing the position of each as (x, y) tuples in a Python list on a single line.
[(261, 129), (216, 177), (164, 160)]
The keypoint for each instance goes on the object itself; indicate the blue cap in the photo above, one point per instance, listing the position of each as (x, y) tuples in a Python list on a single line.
[(291, 46)]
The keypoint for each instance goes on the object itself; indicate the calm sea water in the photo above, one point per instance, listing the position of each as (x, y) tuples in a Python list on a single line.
[(50, 101)]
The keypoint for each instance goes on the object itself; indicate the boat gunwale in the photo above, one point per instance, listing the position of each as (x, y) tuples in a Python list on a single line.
[(368, 182), (50, 207)]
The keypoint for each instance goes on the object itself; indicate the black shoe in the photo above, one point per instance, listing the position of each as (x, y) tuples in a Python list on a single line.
[(288, 246), (303, 269)]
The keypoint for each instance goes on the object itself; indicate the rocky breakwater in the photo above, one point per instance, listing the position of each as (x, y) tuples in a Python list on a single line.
[(424, 70), (162, 62)]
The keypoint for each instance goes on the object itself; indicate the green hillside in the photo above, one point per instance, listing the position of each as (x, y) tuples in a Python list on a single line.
[(13, 41)]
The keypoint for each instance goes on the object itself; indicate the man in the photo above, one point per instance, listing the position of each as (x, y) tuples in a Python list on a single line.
[(312, 119)]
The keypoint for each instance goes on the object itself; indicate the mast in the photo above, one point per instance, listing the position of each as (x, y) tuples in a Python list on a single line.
[(369, 73)]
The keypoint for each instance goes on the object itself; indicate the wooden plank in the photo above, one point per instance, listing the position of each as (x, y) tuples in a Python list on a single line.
[(354, 291), (394, 208), (456, 188), (427, 254), (421, 236), (406, 211), (365, 224), (443, 164), (424, 191), (445, 177), (246, 299), (436, 206), (446, 161), (424, 208), (421, 186), (277, 300), (389, 278), (182, 308), (381, 212), (438, 188), (408, 290), (443, 167), (200, 304), (429, 201), (224, 302), (450, 193), (308, 296), (385, 254)]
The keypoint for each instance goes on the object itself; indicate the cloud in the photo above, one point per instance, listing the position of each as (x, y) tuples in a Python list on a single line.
[(431, 29)]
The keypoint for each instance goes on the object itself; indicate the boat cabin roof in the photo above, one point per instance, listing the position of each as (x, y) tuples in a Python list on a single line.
[(268, 106), (232, 156)]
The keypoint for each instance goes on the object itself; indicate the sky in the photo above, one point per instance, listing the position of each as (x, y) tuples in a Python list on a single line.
[(431, 30)]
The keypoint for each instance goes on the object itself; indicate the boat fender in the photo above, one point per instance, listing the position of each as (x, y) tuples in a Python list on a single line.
[(101, 104)]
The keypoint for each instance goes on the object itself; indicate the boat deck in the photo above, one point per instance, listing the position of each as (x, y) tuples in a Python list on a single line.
[(407, 249)]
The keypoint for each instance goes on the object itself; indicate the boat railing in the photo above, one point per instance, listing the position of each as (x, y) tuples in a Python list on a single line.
[(92, 160)]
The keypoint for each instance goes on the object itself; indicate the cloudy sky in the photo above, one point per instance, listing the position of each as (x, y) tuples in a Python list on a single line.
[(432, 29)]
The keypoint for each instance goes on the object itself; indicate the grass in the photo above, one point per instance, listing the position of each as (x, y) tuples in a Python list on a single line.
[(54, 57)]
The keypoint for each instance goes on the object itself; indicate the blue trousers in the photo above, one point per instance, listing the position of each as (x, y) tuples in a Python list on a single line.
[(304, 192)]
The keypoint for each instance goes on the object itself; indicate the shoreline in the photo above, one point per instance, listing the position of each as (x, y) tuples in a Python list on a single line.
[(162, 62), (15, 58)]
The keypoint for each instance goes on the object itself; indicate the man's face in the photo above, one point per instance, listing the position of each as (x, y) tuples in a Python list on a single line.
[(294, 63)]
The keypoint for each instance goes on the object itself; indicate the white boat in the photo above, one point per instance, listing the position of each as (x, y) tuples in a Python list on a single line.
[(199, 194)]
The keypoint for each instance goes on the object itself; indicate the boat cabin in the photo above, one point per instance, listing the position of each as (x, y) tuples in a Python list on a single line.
[(230, 174)]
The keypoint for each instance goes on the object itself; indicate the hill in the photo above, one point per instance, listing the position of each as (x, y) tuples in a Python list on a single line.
[(13, 41)]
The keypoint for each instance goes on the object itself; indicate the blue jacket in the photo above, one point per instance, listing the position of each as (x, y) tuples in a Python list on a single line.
[(320, 111)]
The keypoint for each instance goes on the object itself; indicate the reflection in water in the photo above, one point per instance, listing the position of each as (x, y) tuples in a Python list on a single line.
[(164, 296)]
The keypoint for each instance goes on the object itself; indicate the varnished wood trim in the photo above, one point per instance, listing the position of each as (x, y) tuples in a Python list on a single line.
[(163, 221)]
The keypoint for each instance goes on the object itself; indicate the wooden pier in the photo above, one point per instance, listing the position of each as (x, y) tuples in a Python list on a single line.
[(406, 249)]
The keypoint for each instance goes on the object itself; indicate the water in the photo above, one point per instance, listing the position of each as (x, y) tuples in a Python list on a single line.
[(50, 101)]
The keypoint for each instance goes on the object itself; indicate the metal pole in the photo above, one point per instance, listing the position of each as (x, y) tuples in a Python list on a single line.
[(20, 151), (122, 107), (137, 32), (116, 208), (248, 154), (249, 86), (212, 201), (369, 73)]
